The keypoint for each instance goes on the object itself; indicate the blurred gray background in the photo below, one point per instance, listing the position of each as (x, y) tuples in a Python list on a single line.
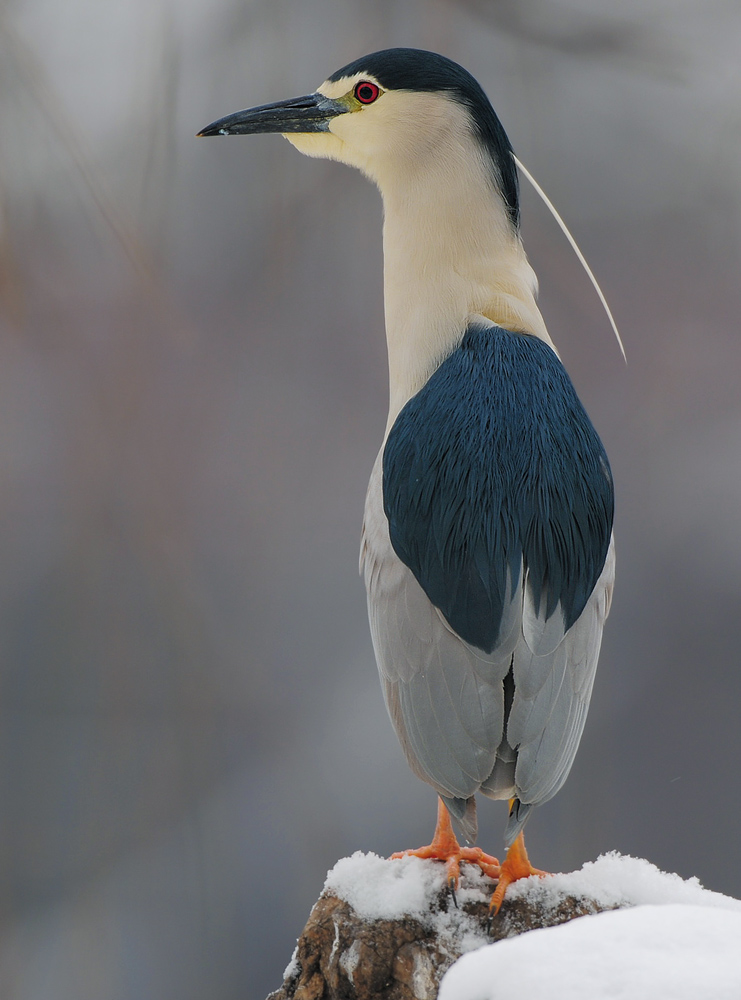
[(192, 392)]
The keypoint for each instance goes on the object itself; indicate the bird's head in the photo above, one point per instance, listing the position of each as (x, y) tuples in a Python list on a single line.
[(391, 113)]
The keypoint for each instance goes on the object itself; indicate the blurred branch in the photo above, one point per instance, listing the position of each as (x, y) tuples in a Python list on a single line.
[(575, 33), (137, 253), (11, 282), (58, 119), (160, 99)]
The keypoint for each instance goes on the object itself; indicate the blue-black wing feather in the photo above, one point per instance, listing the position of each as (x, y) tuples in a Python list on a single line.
[(491, 466)]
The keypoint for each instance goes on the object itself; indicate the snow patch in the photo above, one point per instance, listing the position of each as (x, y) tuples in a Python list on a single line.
[(666, 951), (349, 961), (381, 889), (293, 968), (620, 880)]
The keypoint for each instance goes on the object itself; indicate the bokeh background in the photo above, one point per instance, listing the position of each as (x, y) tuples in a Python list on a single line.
[(192, 392)]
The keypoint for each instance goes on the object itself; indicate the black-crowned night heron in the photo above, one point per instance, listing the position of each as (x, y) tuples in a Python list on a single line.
[(487, 539)]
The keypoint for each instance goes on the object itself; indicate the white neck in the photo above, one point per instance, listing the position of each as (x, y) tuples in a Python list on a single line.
[(450, 253)]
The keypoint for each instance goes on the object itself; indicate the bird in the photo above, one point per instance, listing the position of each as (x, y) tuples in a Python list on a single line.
[(487, 541)]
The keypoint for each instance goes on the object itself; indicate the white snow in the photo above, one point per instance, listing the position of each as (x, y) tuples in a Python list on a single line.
[(292, 969), (381, 889), (619, 880), (652, 952), (349, 961), (674, 941)]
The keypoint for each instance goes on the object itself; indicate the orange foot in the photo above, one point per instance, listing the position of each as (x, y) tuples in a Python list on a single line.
[(515, 866), (445, 847)]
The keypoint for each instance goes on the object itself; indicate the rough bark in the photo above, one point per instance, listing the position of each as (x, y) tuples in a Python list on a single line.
[(341, 956)]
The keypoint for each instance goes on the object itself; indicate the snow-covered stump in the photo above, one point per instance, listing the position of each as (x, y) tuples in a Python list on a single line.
[(389, 930)]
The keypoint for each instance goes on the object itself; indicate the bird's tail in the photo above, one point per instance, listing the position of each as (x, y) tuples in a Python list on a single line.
[(518, 815), (463, 814)]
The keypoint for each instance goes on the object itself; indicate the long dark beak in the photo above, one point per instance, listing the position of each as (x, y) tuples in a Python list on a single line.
[(312, 113)]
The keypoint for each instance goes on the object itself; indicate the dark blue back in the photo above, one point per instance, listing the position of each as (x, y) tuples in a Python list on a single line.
[(494, 462)]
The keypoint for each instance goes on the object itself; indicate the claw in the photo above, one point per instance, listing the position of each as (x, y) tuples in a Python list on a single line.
[(514, 867), (445, 847)]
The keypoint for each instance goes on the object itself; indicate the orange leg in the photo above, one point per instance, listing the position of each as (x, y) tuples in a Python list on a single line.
[(515, 866), (445, 847)]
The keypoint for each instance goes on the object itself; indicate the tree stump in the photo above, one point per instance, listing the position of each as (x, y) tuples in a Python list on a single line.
[(344, 954)]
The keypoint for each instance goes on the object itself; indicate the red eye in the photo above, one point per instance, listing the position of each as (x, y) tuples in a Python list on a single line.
[(366, 92)]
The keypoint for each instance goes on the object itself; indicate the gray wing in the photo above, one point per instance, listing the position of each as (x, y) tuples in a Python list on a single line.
[(553, 676), (447, 700)]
